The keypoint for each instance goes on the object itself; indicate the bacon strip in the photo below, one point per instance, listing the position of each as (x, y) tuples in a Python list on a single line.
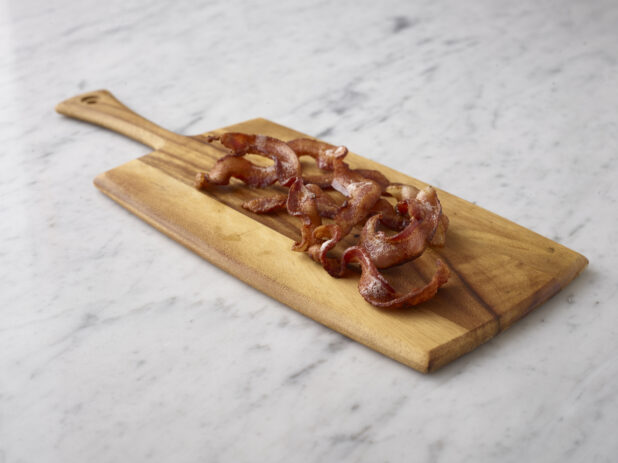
[(286, 162), (302, 204), (407, 193), (388, 216), (231, 166), (319, 252), (266, 204), (327, 206), (374, 175), (385, 251), (427, 205), (378, 292), (324, 181), (401, 191), (362, 193), (324, 154)]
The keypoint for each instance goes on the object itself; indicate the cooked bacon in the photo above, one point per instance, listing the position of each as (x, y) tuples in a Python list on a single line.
[(427, 206), (374, 175), (302, 204), (327, 206), (363, 193), (330, 235), (266, 204), (326, 156), (378, 292), (374, 288), (231, 166), (417, 216), (323, 153), (407, 194), (388, 216), (286, 162), (362, 198), (401, 191), (325, 180), (415, 208), (387, 250)]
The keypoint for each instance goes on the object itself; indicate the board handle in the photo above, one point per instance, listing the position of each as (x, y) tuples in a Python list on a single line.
[(102, 108)]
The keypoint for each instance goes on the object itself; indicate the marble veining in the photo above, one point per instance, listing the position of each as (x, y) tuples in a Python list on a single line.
[(117, 344)]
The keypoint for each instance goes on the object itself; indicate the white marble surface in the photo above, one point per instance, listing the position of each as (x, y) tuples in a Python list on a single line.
[(116, 344)]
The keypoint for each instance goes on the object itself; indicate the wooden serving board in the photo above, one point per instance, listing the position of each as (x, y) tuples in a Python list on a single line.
[(500, 271)]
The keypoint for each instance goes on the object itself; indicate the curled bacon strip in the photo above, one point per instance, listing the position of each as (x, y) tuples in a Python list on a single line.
[(319, 252), (301, 203), (363, 193), (286, 162), (385, 251), (327, 207), (401, 191), (362, 198), (266, 204), (378, 292), (426, 205), (375, 176), (323, 153), (231, 166)]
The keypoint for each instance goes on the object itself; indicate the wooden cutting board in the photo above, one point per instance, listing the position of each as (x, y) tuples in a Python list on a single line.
[(500, 271)]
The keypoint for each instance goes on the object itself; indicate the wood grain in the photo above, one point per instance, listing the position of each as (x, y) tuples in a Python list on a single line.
[(500, 271)]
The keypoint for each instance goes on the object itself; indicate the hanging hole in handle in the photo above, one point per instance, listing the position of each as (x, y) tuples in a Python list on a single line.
[(90, 99)]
